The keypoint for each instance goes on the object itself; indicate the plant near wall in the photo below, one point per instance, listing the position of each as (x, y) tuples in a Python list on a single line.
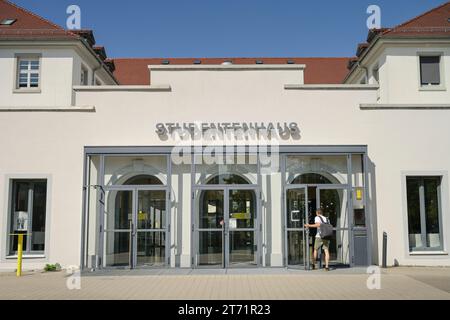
[(52, 267)]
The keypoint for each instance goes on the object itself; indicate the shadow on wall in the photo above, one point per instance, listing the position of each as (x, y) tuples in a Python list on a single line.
[(179, 223), (373, 213), (267, 209)]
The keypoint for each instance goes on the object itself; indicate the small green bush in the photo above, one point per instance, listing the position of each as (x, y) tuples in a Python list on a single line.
[(52, 267)]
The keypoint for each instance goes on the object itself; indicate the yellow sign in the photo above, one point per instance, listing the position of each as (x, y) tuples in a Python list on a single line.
[(359, 194), (241, 215), (142, 216)]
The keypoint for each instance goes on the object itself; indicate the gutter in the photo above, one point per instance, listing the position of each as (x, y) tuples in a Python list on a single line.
[(93, 74), (102, 65), (358, 63)]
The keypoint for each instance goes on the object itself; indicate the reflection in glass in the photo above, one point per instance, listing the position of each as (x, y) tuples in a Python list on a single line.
[(123, 211), (117, 249), (242, 206), (330, 202), (210, 248), (28, 215), (242, 248), (423, 213), (296, 207), (151, 210), (151, 248), (431, 186), (296, 248), (211, 209)]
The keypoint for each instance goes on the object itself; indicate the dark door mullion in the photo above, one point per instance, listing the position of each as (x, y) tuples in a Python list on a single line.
[(225, 228), (423, 229), (30, 216)]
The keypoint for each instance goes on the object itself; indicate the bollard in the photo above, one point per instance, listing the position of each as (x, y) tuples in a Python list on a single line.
[(19, 255), (384, 264)]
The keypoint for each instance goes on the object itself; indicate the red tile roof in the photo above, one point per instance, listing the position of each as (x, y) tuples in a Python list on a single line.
[(318, 70), (29, 25), (434, 22)]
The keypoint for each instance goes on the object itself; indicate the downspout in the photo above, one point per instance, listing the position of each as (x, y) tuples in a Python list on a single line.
[(93, 73), (365, 69)]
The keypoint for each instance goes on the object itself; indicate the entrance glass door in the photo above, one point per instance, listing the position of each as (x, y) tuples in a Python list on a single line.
[(136, 228), (119, 228), (211, 228), (226, 228), (151, 226), (334, 203), (296, 237), (241, 228)]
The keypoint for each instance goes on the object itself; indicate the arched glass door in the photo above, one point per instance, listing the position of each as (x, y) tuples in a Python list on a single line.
[(136, 223), (225, 223), (307, 193)]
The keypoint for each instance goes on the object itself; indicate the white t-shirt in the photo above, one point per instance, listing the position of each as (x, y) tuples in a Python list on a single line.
[(317, 220)]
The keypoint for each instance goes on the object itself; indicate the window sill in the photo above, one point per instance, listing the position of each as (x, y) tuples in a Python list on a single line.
[(27, 91), (27, 256), (429, 253), (432, 88)]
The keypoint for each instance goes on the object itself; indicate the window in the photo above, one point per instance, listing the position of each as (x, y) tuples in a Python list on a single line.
[(423, 194), (7, 22), (430, 74), (28, 215), (28, 73), (84, 76)]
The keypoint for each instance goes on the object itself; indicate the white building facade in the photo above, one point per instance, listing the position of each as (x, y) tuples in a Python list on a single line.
[(220, 165)]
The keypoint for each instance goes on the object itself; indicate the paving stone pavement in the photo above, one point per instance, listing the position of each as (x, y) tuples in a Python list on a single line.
[(260, 284)]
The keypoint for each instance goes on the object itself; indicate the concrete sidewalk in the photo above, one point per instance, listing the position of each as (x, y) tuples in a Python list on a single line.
[(244, 284)]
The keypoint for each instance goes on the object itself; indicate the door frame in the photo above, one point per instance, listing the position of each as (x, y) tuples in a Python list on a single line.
[(195, 231), (133, 228), (305, 231), (349, 213)]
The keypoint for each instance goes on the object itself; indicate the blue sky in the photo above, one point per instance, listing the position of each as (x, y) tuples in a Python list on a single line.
[(229, 28)]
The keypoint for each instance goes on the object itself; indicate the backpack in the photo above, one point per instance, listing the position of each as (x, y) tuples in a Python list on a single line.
[(326, 229)]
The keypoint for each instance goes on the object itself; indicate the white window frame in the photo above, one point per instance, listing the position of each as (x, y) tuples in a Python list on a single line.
[(5, 244), (442, 85), (28, 72), (443, 214)]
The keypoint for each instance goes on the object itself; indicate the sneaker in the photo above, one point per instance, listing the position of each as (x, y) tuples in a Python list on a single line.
[(327, 269)]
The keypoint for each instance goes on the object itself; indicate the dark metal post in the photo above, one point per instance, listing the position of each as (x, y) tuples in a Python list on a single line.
[(384, 265)]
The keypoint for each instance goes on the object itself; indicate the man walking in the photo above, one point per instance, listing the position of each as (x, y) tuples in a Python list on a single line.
[(319, 242)]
